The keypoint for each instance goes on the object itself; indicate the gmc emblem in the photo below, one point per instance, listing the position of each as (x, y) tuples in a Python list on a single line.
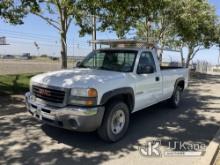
[(44, 92)]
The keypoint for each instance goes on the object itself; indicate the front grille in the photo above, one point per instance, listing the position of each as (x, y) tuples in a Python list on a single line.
[(48, 94)]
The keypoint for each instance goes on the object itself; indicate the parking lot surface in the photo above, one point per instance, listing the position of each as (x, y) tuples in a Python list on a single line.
[(23, 140)]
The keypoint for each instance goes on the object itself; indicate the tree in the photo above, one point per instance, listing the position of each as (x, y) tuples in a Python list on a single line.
[(118, 16), (192, 23), (160, 28), (13, 11), (196, 25), (188, 23), (59, 14), (122, 16)]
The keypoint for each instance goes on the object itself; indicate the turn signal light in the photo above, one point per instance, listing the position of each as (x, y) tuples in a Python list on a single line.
[(92, 92)]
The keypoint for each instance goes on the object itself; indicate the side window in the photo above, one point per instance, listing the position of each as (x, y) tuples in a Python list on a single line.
[(97, 60), (146, 58)]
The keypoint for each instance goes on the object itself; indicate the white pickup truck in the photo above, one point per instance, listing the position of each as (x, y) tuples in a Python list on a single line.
[(104, 90)]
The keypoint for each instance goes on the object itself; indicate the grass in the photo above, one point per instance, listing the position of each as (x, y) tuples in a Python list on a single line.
[(14, 84)]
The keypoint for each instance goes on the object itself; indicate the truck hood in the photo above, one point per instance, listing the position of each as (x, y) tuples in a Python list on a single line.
[(78, 77)]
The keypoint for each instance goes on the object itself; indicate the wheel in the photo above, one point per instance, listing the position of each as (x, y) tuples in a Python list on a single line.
[(115, 122), (174, 101)]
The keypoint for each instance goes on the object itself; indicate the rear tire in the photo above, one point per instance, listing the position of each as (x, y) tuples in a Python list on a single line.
[(174, 101), (115, 122)]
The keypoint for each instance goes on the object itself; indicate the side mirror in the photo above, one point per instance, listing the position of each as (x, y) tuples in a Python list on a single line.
[(78, 64), (145, 69)]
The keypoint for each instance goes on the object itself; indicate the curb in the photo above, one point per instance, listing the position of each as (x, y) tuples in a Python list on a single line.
[(211, 151)]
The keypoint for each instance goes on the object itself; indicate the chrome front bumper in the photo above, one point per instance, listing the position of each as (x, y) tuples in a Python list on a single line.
[(70, 117)]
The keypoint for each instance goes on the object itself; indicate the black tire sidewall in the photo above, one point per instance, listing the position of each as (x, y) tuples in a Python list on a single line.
[(178, 89), (112, 109)]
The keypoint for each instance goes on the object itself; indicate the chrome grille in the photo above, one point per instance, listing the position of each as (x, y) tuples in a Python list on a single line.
[(48, 94)]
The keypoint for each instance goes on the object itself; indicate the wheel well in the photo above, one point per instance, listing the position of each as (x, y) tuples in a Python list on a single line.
[(181, 84), (126, 98)]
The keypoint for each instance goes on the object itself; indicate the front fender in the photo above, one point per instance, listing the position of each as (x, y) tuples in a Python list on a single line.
[(116, 92)]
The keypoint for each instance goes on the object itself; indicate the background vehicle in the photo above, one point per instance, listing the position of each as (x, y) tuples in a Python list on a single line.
[(8, 56), (26, 56), (104, 90)]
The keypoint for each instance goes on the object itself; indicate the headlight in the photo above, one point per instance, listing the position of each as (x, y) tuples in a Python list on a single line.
[(82, 92), (83, 97)]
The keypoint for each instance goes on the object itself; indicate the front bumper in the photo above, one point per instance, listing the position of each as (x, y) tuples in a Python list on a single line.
[(69, 117)]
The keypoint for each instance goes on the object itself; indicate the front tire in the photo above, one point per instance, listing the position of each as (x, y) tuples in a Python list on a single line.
[(115, 122), (174, 101)]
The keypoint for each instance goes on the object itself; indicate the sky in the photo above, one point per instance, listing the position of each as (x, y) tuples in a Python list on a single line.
[(22, 37)]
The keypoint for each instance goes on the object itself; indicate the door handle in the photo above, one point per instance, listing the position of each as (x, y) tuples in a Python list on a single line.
[(157, 78)]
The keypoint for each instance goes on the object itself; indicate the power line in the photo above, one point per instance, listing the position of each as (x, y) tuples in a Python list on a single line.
[(32, 43), (29, 38), (35, 36), (39, 39), (219, 56), (27, 33), (80, 43), (77, 45)]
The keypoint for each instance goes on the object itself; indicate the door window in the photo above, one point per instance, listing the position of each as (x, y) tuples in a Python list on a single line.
[(147, 59)]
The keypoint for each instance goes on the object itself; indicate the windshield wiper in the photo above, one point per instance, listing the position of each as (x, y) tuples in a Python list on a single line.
[(82, 66), (110, 69), (104, 68)]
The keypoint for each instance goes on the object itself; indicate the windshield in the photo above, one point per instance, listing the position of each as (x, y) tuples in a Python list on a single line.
[(113, 60)]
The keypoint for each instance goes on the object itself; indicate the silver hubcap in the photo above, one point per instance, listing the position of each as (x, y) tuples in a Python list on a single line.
[(118, 121), (177, 97)]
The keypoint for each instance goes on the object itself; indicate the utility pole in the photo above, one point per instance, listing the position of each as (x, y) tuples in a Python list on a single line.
[(219, 56), (94, 31), (73, 47)]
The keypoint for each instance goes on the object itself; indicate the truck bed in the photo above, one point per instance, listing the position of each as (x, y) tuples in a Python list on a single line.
[(170, 75)]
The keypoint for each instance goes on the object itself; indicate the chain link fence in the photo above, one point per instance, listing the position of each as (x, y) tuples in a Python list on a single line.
[(206, 67)]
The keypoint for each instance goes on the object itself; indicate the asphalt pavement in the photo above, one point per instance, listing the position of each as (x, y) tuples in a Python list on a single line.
[(23, 140)]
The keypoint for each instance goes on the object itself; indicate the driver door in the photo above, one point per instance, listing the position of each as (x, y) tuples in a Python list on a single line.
[(148, 86)]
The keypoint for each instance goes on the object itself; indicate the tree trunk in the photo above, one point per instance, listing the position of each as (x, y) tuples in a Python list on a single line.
[(63, 33), (182, 58), (161, 56), (63, 50), (189, 57), (187, 61)]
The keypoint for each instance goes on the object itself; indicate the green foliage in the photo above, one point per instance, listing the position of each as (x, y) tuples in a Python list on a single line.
[(189, 23), (118, 16), (195, 22), (13, 11), (196, 26), (175, 23), (59, 14)]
